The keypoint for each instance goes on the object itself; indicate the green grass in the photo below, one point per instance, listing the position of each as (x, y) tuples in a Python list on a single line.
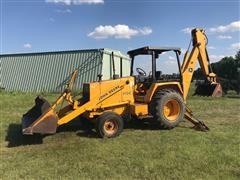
[(148, 153)]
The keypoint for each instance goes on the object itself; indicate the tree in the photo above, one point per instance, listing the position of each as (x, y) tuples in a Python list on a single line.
[(237, 56)]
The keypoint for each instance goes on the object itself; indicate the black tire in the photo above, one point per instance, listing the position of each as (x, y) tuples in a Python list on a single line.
[(109, 125), (162, 100)]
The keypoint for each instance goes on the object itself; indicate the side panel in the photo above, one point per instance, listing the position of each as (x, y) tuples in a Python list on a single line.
[(126, 64), (49, 71), (139, 109), (107, 67), (36, 72), (107, 70), (111, 94)]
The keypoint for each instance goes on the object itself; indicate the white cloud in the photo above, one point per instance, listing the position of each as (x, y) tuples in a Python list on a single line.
[(215, 58), (234, 26), (64, 11), (27, 45), (171, 58), (170, 62), (224, 37), (75, 2), (120, 31), (145, 31), (187, 30), (235, 46), (211, 47)]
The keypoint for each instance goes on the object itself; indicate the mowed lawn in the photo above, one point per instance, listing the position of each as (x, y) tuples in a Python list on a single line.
[(138, 153)]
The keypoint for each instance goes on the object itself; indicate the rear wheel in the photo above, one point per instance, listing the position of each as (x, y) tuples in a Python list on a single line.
[(167, 108), (109, 125)]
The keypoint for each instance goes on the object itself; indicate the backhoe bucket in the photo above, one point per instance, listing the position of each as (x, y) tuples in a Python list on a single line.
[(40, 118), (207, 89)]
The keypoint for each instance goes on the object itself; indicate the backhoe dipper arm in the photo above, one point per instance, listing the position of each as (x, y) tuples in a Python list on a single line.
[(198, 52)]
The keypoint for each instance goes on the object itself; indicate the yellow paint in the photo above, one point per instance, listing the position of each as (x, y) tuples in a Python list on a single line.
[(121, 110), (171, 110), (162, 85), (198, 53), (112, 95), (139, 109), (123, 95)]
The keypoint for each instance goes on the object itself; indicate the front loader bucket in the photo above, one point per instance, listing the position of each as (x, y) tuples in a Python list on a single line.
[(207, 89), (40, 118)]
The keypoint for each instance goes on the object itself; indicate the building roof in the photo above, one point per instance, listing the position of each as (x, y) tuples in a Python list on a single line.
[(105, 50)]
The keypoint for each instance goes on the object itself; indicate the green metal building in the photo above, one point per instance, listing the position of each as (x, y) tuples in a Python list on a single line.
[(49, 71)]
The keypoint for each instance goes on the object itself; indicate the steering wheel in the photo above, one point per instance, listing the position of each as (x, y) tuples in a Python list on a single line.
[(141, 72)]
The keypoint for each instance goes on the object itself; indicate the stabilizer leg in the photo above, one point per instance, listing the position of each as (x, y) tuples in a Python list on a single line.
[(198, 124)]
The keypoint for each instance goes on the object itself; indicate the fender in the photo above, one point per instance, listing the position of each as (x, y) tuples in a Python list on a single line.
[(163, 85)]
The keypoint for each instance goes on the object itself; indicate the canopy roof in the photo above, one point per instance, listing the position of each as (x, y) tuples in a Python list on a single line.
[(148, 49)]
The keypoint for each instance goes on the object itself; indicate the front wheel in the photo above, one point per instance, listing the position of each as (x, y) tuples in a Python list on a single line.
[(109, 125), (167, 108)]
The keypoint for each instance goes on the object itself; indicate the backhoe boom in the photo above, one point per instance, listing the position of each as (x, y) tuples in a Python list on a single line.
[(198, 53)]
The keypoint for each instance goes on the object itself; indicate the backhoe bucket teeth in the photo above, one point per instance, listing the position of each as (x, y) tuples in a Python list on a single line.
[(214, 90), (40, 118)]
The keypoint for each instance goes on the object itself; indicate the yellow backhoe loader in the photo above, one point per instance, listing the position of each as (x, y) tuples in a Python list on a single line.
[(106, 103)]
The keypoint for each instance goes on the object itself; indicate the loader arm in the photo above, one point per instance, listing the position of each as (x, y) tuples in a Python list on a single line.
[(90, 105), (198, 53)]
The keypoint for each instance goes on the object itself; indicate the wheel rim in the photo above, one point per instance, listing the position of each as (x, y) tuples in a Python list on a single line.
[(110, 127), (171, 110)]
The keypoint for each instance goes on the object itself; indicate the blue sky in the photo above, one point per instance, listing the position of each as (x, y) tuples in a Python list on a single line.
[(47, 25)]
